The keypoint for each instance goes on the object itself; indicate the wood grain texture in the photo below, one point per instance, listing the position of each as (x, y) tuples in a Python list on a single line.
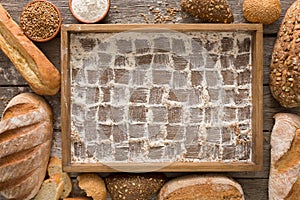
[(255, 184)]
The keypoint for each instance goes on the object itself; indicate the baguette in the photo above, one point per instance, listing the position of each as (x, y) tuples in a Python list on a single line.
[(25, 144), (284, 180), (55, 167), (32, 64), (284, 68), (201, 187)]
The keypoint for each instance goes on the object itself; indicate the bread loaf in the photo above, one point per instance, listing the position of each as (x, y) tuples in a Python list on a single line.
[(55, 167), (284, 180), (201, 187), (284, 75), (262, 11), (32, 64), (51, 189), (134, 186), (93, 185), (25, 143), (217, 11)]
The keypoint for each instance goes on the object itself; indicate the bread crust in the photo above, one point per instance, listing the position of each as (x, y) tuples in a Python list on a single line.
[(25, 114), (217, 11), (32, 64), (181, 185), (262, 11), (285, 157), (284, 68), (55, 167)]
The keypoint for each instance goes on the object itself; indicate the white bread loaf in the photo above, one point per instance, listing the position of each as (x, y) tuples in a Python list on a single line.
[(284, 180), (32, 64), (199, 187), (51, 189), (55, 167), (25, 144)]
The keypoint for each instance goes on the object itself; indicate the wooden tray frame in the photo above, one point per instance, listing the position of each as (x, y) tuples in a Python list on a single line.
[(257, 94)]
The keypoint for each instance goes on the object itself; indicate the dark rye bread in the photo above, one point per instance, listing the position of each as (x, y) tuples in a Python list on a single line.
[(199, 187), (285, 68), (134, 186), (216, 11), (25, 143)]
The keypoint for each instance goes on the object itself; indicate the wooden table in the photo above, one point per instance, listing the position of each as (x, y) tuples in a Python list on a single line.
[(255, 184)]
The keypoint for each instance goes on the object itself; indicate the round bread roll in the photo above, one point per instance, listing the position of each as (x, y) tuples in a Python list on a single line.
[(262, 11)]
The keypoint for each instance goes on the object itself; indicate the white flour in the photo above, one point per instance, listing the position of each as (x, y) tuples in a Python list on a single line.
[(89, 10)]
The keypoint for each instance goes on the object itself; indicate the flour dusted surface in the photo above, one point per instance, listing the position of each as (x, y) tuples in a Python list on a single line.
[(161, 96)]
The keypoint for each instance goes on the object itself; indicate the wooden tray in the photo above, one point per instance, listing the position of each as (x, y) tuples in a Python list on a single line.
[(162, 97)]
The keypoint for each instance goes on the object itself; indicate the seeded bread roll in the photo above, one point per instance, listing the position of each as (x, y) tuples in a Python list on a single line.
[(25, 144), (262, 11), (201, 188), (32, 64), (217, 11), (134, 186), (285, 64), (93, 185), (284, 179)]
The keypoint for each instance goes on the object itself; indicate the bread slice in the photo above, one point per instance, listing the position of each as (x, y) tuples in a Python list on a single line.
[(51, 189), (93, 185), (55, 167), (201, 188), (78, 198)]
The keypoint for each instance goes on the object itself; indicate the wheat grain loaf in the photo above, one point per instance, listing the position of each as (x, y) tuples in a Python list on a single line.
[(217, 11), (285, 64)]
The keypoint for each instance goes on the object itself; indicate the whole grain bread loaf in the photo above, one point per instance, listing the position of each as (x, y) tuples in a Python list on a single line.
[(134, 186), (32, 64), (199, 187), (25, 144), (284, 178), (285, 64), (216, 11)]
